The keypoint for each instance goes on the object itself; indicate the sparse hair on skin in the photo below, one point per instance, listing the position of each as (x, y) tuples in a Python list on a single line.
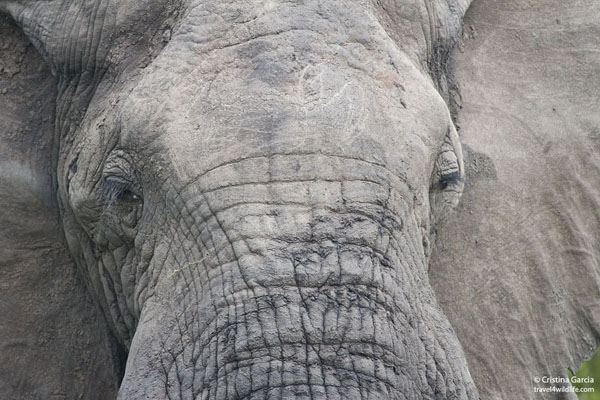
[(113, 189)]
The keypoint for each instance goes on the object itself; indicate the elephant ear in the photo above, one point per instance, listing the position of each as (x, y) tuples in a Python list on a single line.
[(516, 269), (53, 341), (83, 39)]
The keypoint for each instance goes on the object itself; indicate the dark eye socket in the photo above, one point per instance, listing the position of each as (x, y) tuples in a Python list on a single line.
[(447, 170), (449, 179), (118, 189)]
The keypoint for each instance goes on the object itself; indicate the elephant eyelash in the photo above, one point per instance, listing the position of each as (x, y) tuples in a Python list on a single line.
[(115, 189)]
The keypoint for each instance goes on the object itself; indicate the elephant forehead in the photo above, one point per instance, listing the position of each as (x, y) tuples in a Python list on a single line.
[(326, 111), (286, 107), (288, 91)]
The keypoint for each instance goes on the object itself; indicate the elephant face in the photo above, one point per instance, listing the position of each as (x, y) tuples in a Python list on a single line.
[(254, 207)]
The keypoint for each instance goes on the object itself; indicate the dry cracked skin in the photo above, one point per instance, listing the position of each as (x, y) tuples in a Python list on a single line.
[(258, 199)]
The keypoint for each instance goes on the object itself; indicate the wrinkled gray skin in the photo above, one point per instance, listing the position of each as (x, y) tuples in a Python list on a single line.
[(245, 187), (250, 191)]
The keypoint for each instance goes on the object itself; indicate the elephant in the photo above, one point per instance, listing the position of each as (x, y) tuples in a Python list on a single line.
[(248, 190), (260, 199)]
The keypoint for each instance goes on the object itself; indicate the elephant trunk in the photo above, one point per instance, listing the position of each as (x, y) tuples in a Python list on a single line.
[(307, 287)]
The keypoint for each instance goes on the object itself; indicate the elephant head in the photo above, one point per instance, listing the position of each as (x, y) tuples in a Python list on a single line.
[(251, 189)]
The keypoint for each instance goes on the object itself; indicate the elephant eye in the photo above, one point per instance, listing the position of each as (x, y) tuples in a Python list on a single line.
[(121, 209), (118, 189), (119, 185), (447, 181), (447, 172)]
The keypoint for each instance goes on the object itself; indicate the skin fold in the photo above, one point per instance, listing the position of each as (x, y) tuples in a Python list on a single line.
[(250, 192)]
